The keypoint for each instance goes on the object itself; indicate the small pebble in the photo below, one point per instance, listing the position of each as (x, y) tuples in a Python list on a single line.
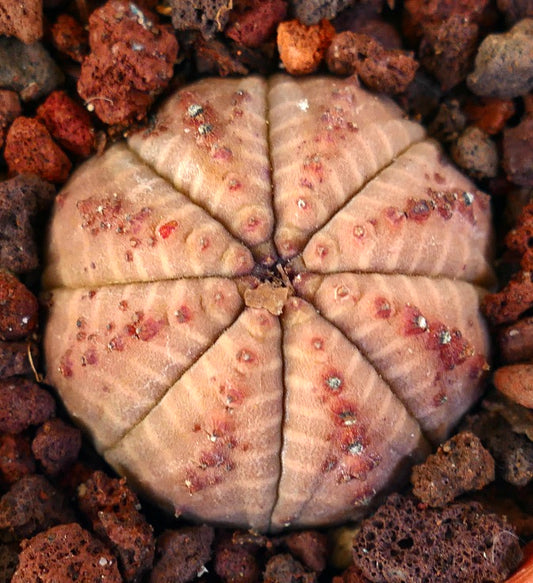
[(18, 308), (255, 25), (313, 11), (30, 149), (23, 20), (27, 69), (56, 446), (302, 48), (9, 110), (518, 152), (476, 153), (504, 63), (206, 16), (70, 38), (515, 381)]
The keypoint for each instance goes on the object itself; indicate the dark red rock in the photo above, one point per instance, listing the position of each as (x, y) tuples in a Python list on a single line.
[(310, 547), (68, 123), (18, 308), (351, 575), (460, 465), (490, 114), (30, 149), (476, 152), (313, 11), (182, 554), (23, 20), (234, 557), (113, 510), (56, 446), (70, 38), (383, 70), (407, 542), (9, 109), (518, 153), (206, 16), (131, 62), (16, 460), (255, 24), (284, 568), (515, 341), (23, 403), (32, 505), (214, 57), (14, 358), (66, 553)]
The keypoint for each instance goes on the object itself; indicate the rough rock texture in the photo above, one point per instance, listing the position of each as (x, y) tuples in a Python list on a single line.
[(9, 110), (22, 19), (16, 460), (153, 338), (460, 465), (32, 505), (20, 200), (18, 308), (130, 63), (257, 22), (313, 11), (30, 149), (56, 446), (207, 16), (387, 71), (27, 69), (476, 153), (518, 152), (504, 63), (182, 554), (284, 568), (70, 38), (302, 48), (66, 553), (114, 512), (405, 543), (23, 403)]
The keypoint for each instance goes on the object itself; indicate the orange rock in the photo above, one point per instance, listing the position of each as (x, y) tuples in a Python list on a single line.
[(30, 148), (491, 114), (302, 48), (516, 382)]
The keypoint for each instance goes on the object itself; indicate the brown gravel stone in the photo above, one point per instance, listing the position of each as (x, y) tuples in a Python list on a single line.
[(23, 403), (284, 568), (213, 57), (16, 460), (56, 446), (409, 543), (233, 557), (206, 16), (9, 110), (8, 561), (32, 505), (460, 465), (182, 554), (387, 71), (68, 123), (313, 11), (113, 509), (448, 48), (309, 547), (131, 62), (255, 24), (476, 153), (490, 114), (302, 48), (14, 358), (18, 308), (518, 152), (30, 149), (63, 554), (70, 38), (515, 381), (515, 341), (351, 575), (22, 19)]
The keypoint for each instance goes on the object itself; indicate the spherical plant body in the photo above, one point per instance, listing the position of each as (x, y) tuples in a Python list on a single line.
[(264, 308)]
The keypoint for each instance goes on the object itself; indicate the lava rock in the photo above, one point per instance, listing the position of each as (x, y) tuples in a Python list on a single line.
[(16, 460), (9, 109), (257, 23), (476, 153), (23, 20), (518, 152), (311, 12), (20, 200), (18, 308), (284, 568), (131, 61), (182, 554), (460, 465), (66, 553), (206, 16), (56, 446), (70, 38), (23, 403), (407, 543), (113, 509), (27, 69), (31, 505), (14, 358)]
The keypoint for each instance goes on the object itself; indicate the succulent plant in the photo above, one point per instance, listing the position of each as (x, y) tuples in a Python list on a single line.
[(265, 307)]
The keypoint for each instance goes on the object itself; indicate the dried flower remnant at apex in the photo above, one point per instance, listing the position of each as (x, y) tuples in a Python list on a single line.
[(270, 339)]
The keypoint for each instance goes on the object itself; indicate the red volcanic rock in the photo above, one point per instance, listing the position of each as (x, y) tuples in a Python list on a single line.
[(56, 445), (18, 308), (23, 20), (131, 61), (259, 345), (16, 460), (66, 553), (69, 37), (256, 24), (68, 123), (30, 149)]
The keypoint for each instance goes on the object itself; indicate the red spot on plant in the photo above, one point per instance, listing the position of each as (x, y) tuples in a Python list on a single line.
[(167, 229), (418, 210), (183, 314), (66, 365), (383, 307), (415, 322)]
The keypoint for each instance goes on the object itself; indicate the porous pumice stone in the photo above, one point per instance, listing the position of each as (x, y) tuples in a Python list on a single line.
[(264, 308)]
